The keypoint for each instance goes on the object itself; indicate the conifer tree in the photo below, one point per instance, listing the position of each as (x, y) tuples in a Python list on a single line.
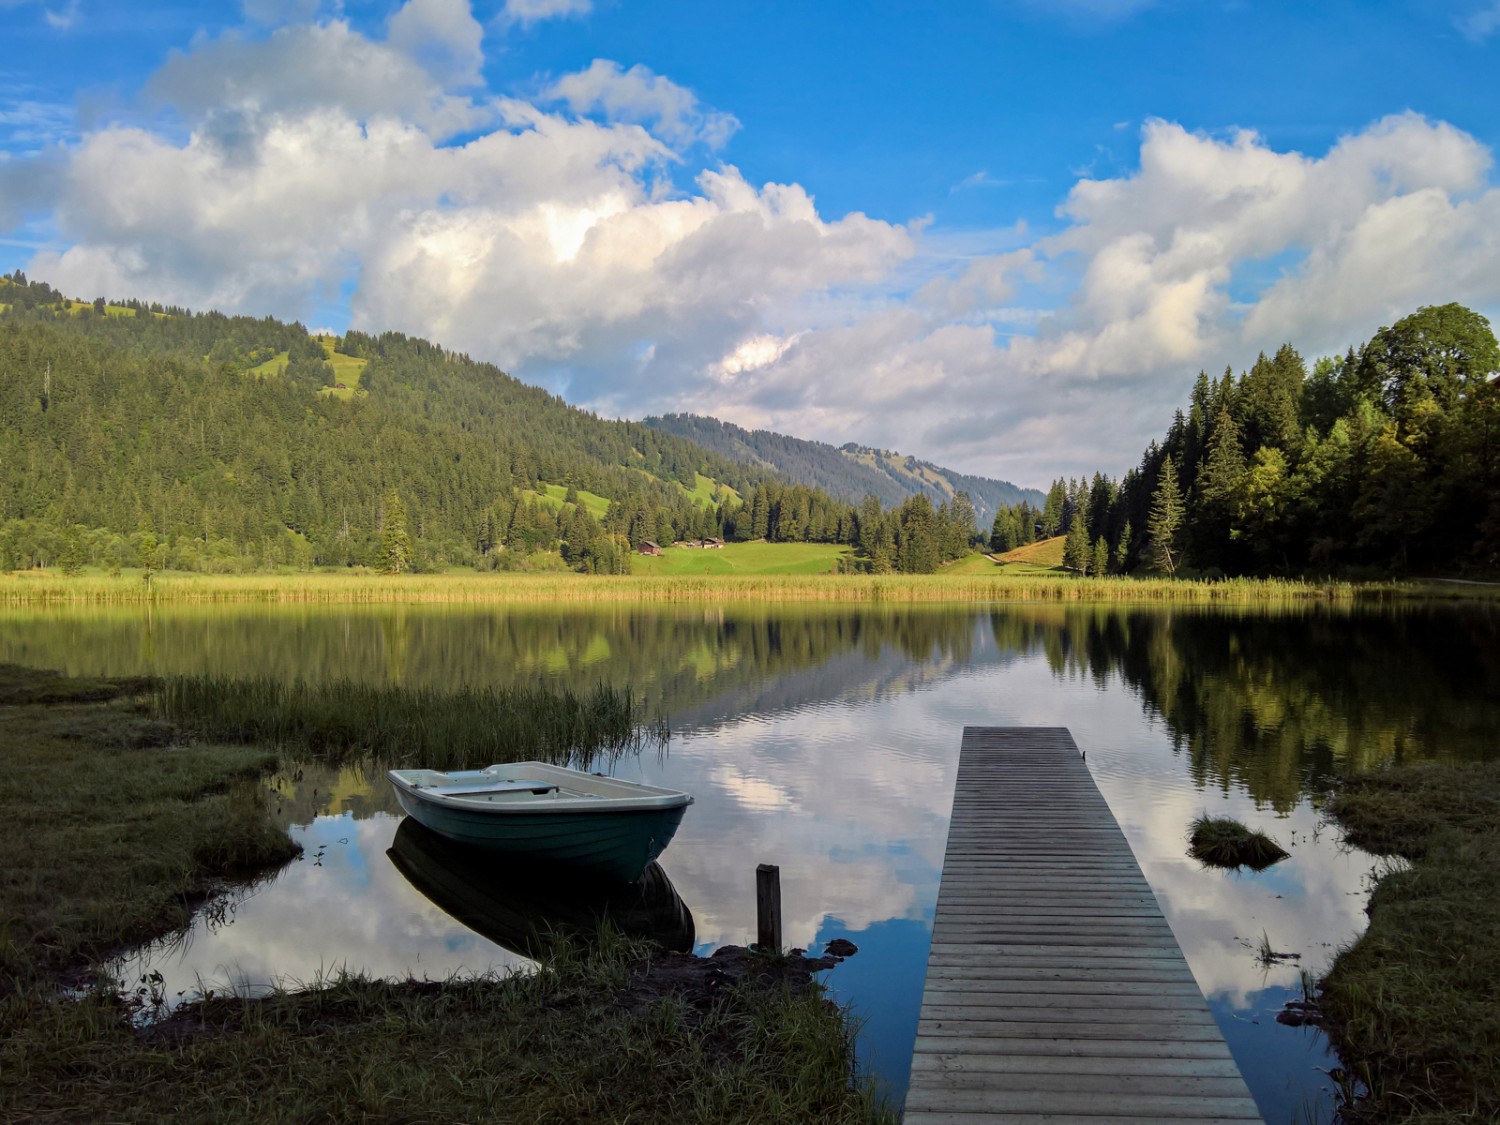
[(395, 538), (1218, 485), (1076, 552), (1099, 565), (1052, 512), (1122, 549), (1165, 519)]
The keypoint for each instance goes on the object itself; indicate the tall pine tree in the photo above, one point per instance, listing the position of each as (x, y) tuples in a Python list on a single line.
[(1165, 520)]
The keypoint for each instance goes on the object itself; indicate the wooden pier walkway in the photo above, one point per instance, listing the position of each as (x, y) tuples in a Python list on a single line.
[(1055, 990)]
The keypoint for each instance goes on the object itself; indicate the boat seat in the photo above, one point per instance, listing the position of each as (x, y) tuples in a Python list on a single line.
[(537, 787)]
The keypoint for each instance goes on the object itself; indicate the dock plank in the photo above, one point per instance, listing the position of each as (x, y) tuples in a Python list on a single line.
[(1056, 991)]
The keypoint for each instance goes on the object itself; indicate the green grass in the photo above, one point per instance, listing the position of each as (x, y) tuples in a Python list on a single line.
[(347, 369), (977, 564), (117, 824), (708, 493), (743, 559), (1219, 841), (585, 1038), (113, 826), (409, 727), (276, 365), (74, 308), (1414, 1005), (556, 495), (1043, 555)]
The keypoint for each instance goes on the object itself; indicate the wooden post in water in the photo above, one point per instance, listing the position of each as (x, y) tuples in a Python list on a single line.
[(768, 908)]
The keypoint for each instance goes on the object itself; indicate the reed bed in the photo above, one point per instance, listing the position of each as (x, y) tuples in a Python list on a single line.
[(399, 727), (43, 588)]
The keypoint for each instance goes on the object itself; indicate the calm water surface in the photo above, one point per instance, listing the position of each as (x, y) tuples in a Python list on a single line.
[(825, 740)]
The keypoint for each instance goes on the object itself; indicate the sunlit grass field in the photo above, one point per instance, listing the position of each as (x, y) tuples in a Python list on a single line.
[(971, 565), (743, 558), (1042, 555), (707, 493), (555, 496), (347, 369)]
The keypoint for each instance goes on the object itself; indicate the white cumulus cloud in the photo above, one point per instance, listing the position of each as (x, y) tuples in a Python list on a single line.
[(640, 96), (532, 11), (441, 34), (572, 240)]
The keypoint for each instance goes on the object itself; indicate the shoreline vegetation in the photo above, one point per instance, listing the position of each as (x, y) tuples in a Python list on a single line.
[(155, 821), (38, 587), (1413, 1006)]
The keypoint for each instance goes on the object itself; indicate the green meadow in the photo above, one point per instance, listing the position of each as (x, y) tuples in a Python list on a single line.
[(555, 496), (743, 558), (708, 493), (347, 369)]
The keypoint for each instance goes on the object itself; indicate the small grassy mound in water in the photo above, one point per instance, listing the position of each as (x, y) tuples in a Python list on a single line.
[(1222, 842)]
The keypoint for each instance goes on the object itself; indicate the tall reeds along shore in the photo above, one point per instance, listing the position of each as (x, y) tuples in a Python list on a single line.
[(455, 728), (45, 588)]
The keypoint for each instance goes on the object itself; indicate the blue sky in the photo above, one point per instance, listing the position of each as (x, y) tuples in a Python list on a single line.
[(1001, 235)]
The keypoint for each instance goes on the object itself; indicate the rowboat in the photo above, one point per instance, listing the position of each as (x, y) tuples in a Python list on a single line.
[(525, 910), (547, 813)]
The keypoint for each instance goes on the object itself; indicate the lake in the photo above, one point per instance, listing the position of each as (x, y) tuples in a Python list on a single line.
[(824, 739)]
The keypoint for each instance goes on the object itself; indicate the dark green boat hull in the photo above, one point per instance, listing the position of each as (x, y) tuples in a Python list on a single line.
[(522, 907), (616, 844)]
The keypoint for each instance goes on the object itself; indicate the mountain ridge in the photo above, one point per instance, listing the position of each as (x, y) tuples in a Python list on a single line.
[(848, 472)]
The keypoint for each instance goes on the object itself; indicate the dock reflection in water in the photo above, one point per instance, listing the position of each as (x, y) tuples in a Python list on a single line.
[(523, 910)]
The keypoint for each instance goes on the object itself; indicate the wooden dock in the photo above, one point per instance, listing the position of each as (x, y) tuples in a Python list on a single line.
[(1055, 990)]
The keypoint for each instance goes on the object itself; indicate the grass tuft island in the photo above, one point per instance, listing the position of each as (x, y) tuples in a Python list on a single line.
[(1219, 841)]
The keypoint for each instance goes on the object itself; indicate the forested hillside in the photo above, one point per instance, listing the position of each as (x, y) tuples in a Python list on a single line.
[(1383, 461), (850, 472), (135, 435)]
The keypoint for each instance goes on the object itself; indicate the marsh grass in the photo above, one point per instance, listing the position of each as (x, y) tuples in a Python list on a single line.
[(113, 829), (1220, 841), (458, 728), (584, 1038), (117, 828), (50, 587), (1414, 1005)]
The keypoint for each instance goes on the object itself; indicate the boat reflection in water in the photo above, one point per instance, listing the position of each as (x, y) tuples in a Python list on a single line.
[(523, 908)]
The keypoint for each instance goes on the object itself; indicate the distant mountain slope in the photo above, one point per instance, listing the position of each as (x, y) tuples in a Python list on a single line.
[(849, 473)]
